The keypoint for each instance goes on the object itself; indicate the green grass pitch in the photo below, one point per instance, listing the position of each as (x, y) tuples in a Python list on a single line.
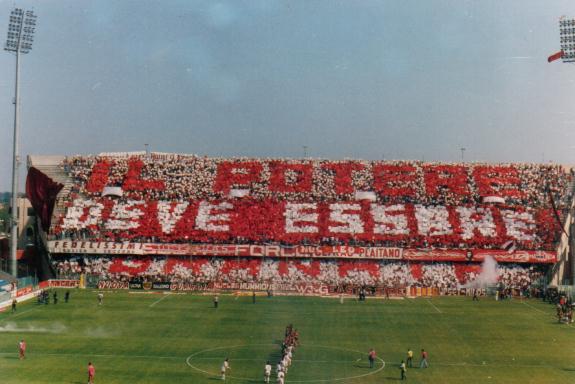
[(181, 338)]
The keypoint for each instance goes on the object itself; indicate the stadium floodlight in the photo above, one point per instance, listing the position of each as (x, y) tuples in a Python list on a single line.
[(19, 41), (567, 41), (567, 38)]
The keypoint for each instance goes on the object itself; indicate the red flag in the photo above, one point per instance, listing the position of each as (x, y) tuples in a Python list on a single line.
[(555, 56)]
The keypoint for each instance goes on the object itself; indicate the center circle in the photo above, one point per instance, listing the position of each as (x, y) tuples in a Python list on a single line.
[(193, 360)]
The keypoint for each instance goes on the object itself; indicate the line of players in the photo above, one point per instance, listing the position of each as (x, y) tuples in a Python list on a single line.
[(291, 340)]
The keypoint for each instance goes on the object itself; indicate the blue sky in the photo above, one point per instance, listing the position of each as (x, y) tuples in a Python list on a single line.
[(348, 79)]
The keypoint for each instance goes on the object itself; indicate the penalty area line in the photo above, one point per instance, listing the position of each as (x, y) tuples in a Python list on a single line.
[(537, 309), (433, 305), (542, 312), (157, 301)]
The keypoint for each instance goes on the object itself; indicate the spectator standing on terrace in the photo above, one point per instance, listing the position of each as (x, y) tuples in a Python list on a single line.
[(225, 367), (371, 357), (423, 363), (91, 373)]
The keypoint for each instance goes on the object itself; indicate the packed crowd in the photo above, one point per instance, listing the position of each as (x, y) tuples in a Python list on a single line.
[(186, 198), (188, 177), (443, 276)]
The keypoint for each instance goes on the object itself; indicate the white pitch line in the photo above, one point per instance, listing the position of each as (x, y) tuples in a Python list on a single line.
[(19, 313), (537, 309), (293, 360), (102, 356), (157, 301), (433, 305), (543, 312)]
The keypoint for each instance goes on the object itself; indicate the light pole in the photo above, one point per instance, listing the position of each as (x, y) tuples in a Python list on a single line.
[(462, 149), (19, 41)]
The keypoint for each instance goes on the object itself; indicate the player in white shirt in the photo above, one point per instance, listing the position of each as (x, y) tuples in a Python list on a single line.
[(267, 372), (225, 367), (281, 376)]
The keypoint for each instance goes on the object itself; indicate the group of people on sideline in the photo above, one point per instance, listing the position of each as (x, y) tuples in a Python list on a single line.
[(407, 363)]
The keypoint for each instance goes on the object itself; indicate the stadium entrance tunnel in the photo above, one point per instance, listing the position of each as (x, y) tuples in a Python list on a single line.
[(311, 363)]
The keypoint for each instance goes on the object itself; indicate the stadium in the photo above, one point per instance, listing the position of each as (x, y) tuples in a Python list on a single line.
[(425, 234), (274, 240)]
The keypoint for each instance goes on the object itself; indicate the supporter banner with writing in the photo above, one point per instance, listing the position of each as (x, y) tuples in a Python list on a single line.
[(59, 284), (302, 251), (112, 284), (88, 247), (96, 247), (64, 283), (24, 291), (478, 255)]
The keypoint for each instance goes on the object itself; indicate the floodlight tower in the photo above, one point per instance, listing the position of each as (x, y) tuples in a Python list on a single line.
[(567, 55), (19, 41)]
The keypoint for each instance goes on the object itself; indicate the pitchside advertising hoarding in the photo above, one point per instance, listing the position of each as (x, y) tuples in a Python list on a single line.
[(300, 251), (298, 288)]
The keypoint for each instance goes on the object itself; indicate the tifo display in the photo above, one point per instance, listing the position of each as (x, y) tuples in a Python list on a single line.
[(304, 225), (174, 199)]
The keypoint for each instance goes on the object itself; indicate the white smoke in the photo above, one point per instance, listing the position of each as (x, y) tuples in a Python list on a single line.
[(101, 332), (488, 275), (15, 328)]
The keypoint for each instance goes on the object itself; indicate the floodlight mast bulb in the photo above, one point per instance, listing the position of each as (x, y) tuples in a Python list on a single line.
[(19, 40)]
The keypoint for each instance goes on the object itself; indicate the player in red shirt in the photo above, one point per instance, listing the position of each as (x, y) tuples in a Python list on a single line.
[(371, 357), (22, 349), (423, 363), (91, 373)]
